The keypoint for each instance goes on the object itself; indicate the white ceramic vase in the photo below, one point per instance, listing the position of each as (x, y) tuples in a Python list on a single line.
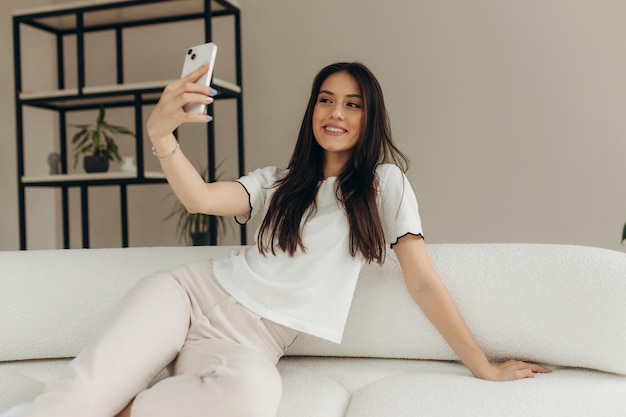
[(128, 164)]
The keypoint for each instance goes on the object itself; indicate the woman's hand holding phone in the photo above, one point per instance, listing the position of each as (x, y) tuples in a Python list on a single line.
[(169, 113), (185, 100)]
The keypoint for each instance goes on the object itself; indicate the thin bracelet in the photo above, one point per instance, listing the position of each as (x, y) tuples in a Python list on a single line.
[(168, 156)]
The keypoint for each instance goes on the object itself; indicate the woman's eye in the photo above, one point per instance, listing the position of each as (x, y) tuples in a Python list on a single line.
[(354, 105), (324, 100)]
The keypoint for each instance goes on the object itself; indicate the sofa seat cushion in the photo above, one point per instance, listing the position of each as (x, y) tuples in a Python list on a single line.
[(20, 381), (362, 387)]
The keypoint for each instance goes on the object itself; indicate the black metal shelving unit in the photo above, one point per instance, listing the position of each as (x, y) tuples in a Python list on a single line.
[(78, 20)]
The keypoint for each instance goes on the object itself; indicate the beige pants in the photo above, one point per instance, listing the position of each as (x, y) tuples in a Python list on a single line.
[(222, 357)]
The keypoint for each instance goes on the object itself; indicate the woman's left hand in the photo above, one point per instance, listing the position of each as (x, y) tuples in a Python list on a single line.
[(513, 369)]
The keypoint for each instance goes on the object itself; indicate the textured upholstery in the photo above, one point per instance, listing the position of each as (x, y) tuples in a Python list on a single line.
[(559, 305)]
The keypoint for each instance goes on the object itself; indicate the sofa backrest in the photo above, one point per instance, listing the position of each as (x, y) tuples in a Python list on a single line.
[(51, 301), (555, 304)]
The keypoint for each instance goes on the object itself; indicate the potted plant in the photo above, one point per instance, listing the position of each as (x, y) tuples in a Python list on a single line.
[(97, 143), (195, 228)]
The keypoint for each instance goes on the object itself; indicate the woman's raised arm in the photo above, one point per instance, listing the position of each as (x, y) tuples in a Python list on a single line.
[(224, 198)]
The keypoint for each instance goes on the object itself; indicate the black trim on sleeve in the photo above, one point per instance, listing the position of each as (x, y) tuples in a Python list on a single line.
[(249, 204), (406, 234)]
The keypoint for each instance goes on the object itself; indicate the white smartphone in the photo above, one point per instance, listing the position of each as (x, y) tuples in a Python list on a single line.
[(195, 57)]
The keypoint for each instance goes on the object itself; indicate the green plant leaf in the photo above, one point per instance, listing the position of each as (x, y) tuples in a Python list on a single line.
[(100, 116), (120, 130), (80, 141), (87, 148), (111, 150), (77, 136), (95, 139)]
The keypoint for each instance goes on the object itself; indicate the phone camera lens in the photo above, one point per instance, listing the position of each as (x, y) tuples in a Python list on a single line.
[(193, 56), (190, 51)]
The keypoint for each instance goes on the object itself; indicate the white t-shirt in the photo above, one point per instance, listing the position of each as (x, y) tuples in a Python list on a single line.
[(312, 291)]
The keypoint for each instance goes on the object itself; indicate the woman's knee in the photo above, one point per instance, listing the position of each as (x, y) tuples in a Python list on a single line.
[(239, 383), (192, 396), (158, 295), (254, 386), (163, 284)]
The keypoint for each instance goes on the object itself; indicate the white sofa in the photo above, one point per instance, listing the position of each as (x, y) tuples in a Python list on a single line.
[(563, 306)]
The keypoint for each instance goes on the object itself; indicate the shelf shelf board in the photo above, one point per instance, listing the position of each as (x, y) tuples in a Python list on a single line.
[(115, 93), (115, 12), (82, 176)]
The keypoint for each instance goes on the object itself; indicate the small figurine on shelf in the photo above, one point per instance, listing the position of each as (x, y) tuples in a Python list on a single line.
[(54, 162), (98, 143)]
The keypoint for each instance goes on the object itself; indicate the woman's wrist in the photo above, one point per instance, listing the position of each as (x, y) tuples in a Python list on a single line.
[(480, 367), (164, 146), (165, 157), (486, 372)]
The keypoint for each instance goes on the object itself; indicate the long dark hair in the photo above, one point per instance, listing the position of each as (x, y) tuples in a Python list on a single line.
[(294, 198)]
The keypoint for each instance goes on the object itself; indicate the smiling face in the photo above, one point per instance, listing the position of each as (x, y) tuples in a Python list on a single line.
[(337, 120)]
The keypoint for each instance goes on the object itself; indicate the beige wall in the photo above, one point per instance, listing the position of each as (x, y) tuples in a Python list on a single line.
[(511, 112)]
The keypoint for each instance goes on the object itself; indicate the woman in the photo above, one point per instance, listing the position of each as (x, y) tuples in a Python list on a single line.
[(224, 324)]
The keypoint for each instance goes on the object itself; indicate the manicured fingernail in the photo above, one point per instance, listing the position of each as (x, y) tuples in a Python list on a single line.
[(209, 99), (213, 90), (209, 117), (206, 62)]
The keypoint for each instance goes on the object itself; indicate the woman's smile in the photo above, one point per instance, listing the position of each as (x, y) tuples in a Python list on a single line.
[(334, 130)]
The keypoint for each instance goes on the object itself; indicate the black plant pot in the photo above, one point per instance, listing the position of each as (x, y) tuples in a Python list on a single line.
[(96, 163), (201, 239)]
